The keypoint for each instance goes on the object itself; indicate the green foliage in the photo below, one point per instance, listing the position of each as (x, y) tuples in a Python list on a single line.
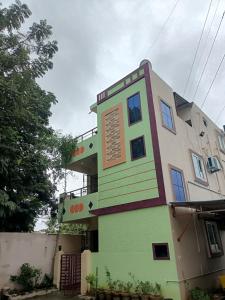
[(32, 155), (28, 278), (109, 281), (145, 287), (137, 286), (46, 282), (91, 279), (157, 289), (199, 294), (53, 226), (127, 287)]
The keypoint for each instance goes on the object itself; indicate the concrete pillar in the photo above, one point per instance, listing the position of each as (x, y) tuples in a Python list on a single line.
[(57, 267), (85, 270)]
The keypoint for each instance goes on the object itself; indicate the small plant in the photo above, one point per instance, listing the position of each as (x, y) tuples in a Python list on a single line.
[(157, 289), (136, 283), (109, 281), (28, 278), (145, 287), (47, 282), (120, 285), (91, 279), (127, 287), (199, 294)]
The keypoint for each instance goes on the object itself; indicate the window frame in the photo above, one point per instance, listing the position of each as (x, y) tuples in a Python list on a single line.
[(128, 115), (154, 252), (198, 179), (173, 130), (142, 136), (219, 241), (223, 137), (171, 167), (205, 121)]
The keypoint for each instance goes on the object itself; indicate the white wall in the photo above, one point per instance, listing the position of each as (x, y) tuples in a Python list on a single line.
[(35, 248)]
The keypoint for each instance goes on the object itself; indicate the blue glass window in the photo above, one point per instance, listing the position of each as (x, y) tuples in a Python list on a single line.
[(137, 148), (134, 108), (178, 185), (167, 115)]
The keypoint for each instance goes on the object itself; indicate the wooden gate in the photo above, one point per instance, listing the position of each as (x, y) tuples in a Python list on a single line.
[(70, 275)]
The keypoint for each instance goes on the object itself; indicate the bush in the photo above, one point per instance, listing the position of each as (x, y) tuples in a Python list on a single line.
[(199, 294), (28, 278), (47, 282)]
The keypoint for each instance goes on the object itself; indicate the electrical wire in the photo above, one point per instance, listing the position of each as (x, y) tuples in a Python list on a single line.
[(206, 41), (163, 26), (214, 78), (198, 45), (207, 60)]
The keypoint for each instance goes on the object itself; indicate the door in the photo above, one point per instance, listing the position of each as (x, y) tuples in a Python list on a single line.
[(70, 276)]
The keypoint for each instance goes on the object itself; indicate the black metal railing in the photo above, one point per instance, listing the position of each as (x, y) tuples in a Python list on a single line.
[(87, 134), (78, 193)]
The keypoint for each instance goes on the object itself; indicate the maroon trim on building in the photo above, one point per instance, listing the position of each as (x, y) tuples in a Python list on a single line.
[(127, 207), (155, 140), (161, 200)]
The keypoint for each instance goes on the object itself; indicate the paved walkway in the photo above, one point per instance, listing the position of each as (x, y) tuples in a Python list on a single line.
[(57, 296)]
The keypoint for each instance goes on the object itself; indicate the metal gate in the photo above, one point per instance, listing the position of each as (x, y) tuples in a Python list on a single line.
[(70, 275)]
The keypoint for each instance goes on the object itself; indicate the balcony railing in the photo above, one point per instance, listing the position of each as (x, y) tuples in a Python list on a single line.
[(78, 193), (87, 135)]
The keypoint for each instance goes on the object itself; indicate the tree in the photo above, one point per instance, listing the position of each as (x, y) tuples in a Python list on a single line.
[(53, 226), (29, 157)]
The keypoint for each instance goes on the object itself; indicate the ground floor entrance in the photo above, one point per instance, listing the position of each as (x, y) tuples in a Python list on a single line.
[(70, 274)]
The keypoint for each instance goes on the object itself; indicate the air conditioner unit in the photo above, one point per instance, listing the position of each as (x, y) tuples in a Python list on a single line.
[(213, 164)]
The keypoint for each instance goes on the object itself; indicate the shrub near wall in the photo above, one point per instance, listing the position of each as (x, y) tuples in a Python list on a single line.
[(117, 289)]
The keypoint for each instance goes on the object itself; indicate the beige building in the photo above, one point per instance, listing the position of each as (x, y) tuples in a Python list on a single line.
[(192, 150)]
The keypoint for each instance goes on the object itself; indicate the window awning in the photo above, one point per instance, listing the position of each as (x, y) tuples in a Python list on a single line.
[(215, 208)]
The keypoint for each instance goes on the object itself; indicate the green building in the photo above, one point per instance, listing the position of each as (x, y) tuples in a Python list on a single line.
[(146, 180)]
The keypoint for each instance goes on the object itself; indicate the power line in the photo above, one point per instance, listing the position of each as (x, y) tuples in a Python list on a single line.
[(207, 38), (196, 51), (163, 26), (214, 78), (199, 81)]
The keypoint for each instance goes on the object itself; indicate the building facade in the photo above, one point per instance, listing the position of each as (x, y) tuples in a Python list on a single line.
[(154, 191)]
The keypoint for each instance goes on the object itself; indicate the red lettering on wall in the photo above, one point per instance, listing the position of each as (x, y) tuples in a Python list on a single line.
[(78, 151), (76, 208)]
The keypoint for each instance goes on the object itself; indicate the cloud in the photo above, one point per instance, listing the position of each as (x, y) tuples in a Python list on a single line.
[(101, 41)]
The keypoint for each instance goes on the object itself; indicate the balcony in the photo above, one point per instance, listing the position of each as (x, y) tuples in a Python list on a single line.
[(87, 135), (76, 208), (76, 204), (84, 157), (81, 192)]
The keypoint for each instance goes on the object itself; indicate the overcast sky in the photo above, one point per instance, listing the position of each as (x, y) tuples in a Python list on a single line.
[(100, 41)]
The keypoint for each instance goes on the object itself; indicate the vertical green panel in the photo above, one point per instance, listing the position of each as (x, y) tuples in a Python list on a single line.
[(147, 186)]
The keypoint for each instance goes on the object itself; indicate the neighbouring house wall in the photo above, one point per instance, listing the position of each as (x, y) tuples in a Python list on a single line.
[(36, 249), (125, 245), (195, 266), (175, 147), (191, 252)]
